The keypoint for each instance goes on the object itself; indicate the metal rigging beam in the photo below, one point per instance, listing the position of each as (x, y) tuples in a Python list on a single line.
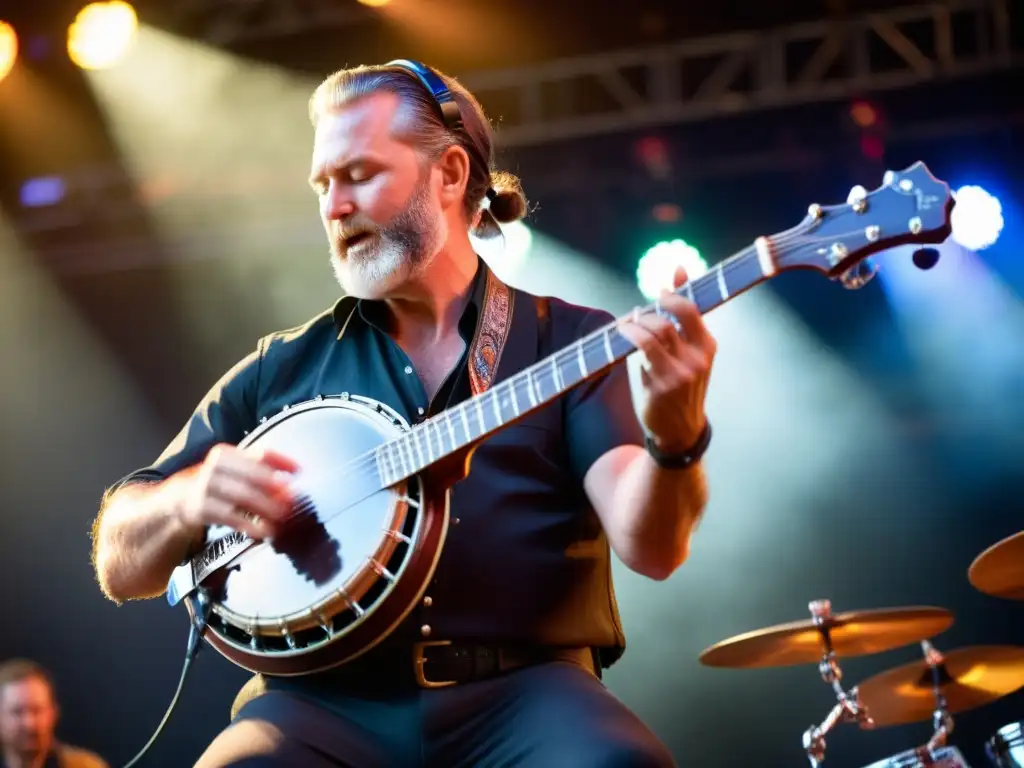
[(223, 22), (726, 74), (689, 80)]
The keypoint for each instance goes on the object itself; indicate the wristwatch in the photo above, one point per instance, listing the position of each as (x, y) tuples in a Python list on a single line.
[(684, 459)]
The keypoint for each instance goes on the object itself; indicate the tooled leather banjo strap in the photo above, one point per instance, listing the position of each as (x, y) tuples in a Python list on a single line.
[(491, 333)]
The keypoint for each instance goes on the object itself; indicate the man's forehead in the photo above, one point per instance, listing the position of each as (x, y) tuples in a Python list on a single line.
[(26, 688), (363, 125)]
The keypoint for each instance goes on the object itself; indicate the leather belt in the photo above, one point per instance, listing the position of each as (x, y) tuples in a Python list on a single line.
[(427, 664), (442, 663)]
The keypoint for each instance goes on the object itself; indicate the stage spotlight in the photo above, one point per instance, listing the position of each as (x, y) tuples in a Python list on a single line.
[(102, 34), (8, 49), (977, 218), (657, 266), (374, 3), (863, 113)]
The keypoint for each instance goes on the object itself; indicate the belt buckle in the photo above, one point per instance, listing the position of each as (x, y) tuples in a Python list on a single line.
[(419, 660)]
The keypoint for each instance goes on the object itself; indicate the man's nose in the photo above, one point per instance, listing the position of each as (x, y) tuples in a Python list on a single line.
[(339, 204)]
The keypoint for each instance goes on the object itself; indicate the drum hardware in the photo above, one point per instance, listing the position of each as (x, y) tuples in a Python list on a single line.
[(942, 720), (847, 709), (821, 640), (941, 757), (999, 570), (1006, 748), (951, 682), (852, 633)]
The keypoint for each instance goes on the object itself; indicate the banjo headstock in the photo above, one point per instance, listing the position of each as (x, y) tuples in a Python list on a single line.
[(910, 207)]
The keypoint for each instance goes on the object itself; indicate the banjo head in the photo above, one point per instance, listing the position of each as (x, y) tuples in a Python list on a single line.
[(285, 604)]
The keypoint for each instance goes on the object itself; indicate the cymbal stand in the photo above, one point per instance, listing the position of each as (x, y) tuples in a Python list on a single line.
[(847, 709), (942, 721)]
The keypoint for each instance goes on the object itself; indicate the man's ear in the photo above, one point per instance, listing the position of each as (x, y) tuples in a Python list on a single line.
[(454, 170)]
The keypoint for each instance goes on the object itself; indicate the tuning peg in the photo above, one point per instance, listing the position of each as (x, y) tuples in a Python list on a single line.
[(926, 258), (858, 275)]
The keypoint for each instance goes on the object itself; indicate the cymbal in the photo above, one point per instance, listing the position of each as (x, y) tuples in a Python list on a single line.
[(974, 676), (854, 633), (999, 570)]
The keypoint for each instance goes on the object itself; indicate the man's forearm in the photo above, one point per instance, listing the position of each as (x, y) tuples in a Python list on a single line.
[(138, 540), (659, 509)]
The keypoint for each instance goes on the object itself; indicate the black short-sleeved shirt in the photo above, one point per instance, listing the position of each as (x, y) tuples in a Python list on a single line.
[(528, 561)]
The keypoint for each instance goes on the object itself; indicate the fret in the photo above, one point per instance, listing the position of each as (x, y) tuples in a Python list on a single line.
[(621, 346), (529, 389), (581, 359), (497, 409), (480, 415), (396, 462), (436, 436), (451, 428), (531, 385), (727, 279), (425, 440), (596, 351), (465, 422), (428, 447), (403, 444), (606, 336), (513, 397), (415, 435), (744, 271), (382, 465), (556, 373)]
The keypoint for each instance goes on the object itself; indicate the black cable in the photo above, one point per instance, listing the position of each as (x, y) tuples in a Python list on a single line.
[(200, 616)]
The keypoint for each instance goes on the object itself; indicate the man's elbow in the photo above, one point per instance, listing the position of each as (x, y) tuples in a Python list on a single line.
[(114, 582), (657, 563), (106, 577), (119, 590)]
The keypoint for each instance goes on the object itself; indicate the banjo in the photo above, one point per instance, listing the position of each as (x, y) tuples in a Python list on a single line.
[(372, 511)]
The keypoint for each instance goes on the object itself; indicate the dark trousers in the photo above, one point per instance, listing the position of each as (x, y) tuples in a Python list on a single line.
[(552, 715)]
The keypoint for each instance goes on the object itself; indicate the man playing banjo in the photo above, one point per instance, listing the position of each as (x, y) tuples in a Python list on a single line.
[(519, 616)]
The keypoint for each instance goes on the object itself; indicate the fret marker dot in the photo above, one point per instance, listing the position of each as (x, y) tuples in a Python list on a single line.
[(408, 369)]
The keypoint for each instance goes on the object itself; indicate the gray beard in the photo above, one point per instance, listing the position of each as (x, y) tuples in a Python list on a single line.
[(404, 246)]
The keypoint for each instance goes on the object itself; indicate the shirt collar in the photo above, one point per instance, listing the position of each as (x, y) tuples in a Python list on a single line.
[(373, 312)]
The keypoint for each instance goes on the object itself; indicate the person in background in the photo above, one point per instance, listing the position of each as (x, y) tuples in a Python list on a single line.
[(28, 719)]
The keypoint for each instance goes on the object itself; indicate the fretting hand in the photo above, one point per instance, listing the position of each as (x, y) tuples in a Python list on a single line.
[(675, 368)]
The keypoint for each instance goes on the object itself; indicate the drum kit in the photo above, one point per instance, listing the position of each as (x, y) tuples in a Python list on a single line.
[(932, 689)]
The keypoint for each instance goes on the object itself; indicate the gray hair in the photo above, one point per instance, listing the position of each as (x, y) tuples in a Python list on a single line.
[(427, 131)]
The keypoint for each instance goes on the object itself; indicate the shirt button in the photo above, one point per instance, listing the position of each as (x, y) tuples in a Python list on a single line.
[(428, 601), (408, 369), (419, 411), (425, 630)]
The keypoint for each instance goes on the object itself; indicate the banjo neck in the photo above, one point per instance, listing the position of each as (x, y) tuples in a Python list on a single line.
[(466, 424)]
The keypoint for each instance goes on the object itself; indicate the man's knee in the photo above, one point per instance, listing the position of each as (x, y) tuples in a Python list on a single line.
[(628, 747), (249, 743)]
